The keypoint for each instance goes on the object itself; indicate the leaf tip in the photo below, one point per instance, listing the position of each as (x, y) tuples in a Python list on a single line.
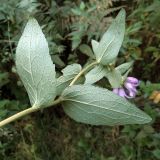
[(148, 119), (122, 12)]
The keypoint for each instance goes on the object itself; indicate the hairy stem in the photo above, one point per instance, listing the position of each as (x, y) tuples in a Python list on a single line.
[(17, 115), (34, 109), (82, 72), (25, 112)]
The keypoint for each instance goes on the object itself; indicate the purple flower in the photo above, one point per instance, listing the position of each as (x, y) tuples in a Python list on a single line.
[(133, 81), (129, 89)]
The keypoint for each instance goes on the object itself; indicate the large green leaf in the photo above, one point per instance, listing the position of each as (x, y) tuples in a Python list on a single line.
[(110, 44), (34, 65), (68, 74), (97, 106)]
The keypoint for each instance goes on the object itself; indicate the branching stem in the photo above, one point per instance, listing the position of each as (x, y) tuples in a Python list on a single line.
[(57, 101), (82, 72), (25, 112)]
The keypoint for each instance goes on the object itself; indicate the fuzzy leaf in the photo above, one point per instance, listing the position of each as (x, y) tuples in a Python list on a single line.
[(110, 44), (68, 74), (34, 65), (95, 74), (85, 49), (114, 77), (124, 67), (94, 46), (97, 106)]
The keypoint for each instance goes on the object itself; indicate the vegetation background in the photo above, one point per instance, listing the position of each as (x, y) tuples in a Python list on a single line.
[(69, 27)]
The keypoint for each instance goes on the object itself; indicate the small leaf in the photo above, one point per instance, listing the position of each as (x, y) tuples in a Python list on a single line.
[(82, 5), (57, 60), (124, 67), (156, 153), (34, 65), (85, 49), (124, 77), (95, 74), (97, 106), (110, 44), (76, 11), (114, 78), (68, 74), (94, 46)]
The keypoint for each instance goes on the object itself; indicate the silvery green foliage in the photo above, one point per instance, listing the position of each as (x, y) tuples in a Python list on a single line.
[(97, 106), (94, 75), (106, 52), (124, 67), (68, 74), (84, 103), (85, 49), (114, 78), (95, 45), (34, 65), (107, 49)]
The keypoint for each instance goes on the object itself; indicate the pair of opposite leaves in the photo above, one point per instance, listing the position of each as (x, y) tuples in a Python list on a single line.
[(84, 103)]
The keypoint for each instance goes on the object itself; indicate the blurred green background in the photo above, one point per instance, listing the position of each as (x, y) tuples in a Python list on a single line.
[(69, 27)]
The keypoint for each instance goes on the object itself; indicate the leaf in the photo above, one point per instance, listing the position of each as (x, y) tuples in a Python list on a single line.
[(94, 46), (110, 44), (124, 67), (124, 77), (156, 153), (82, 5), (95, 74), (85, 49), (97, 106), (57, 60), (114, 77), (4, 78), (34, 65), (68, 75)]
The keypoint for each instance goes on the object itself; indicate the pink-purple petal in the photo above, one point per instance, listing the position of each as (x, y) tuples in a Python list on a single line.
[(130, 87), (133, 81), (115, 90), (129, 90), (122, 92)]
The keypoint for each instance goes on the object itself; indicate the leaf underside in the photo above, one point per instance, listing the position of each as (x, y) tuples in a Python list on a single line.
[(92, 105), (109, 46), (34, 65), (95, 74), (68, 75)]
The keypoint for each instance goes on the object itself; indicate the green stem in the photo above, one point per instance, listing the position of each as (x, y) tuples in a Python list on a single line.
[(82, 72), (25, 112), (34, 109)]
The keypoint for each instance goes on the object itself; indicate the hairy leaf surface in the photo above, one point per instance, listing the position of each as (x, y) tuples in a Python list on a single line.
[(85, 49), (110, 44), (94, 46), (68, 74), (95, 74), (124, 67), (34, 65), (97, 106), (114, 77)]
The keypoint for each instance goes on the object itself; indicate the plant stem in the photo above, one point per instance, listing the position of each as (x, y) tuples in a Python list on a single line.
[(34, 109), (17, 115), (82, 72), (25, 112)]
